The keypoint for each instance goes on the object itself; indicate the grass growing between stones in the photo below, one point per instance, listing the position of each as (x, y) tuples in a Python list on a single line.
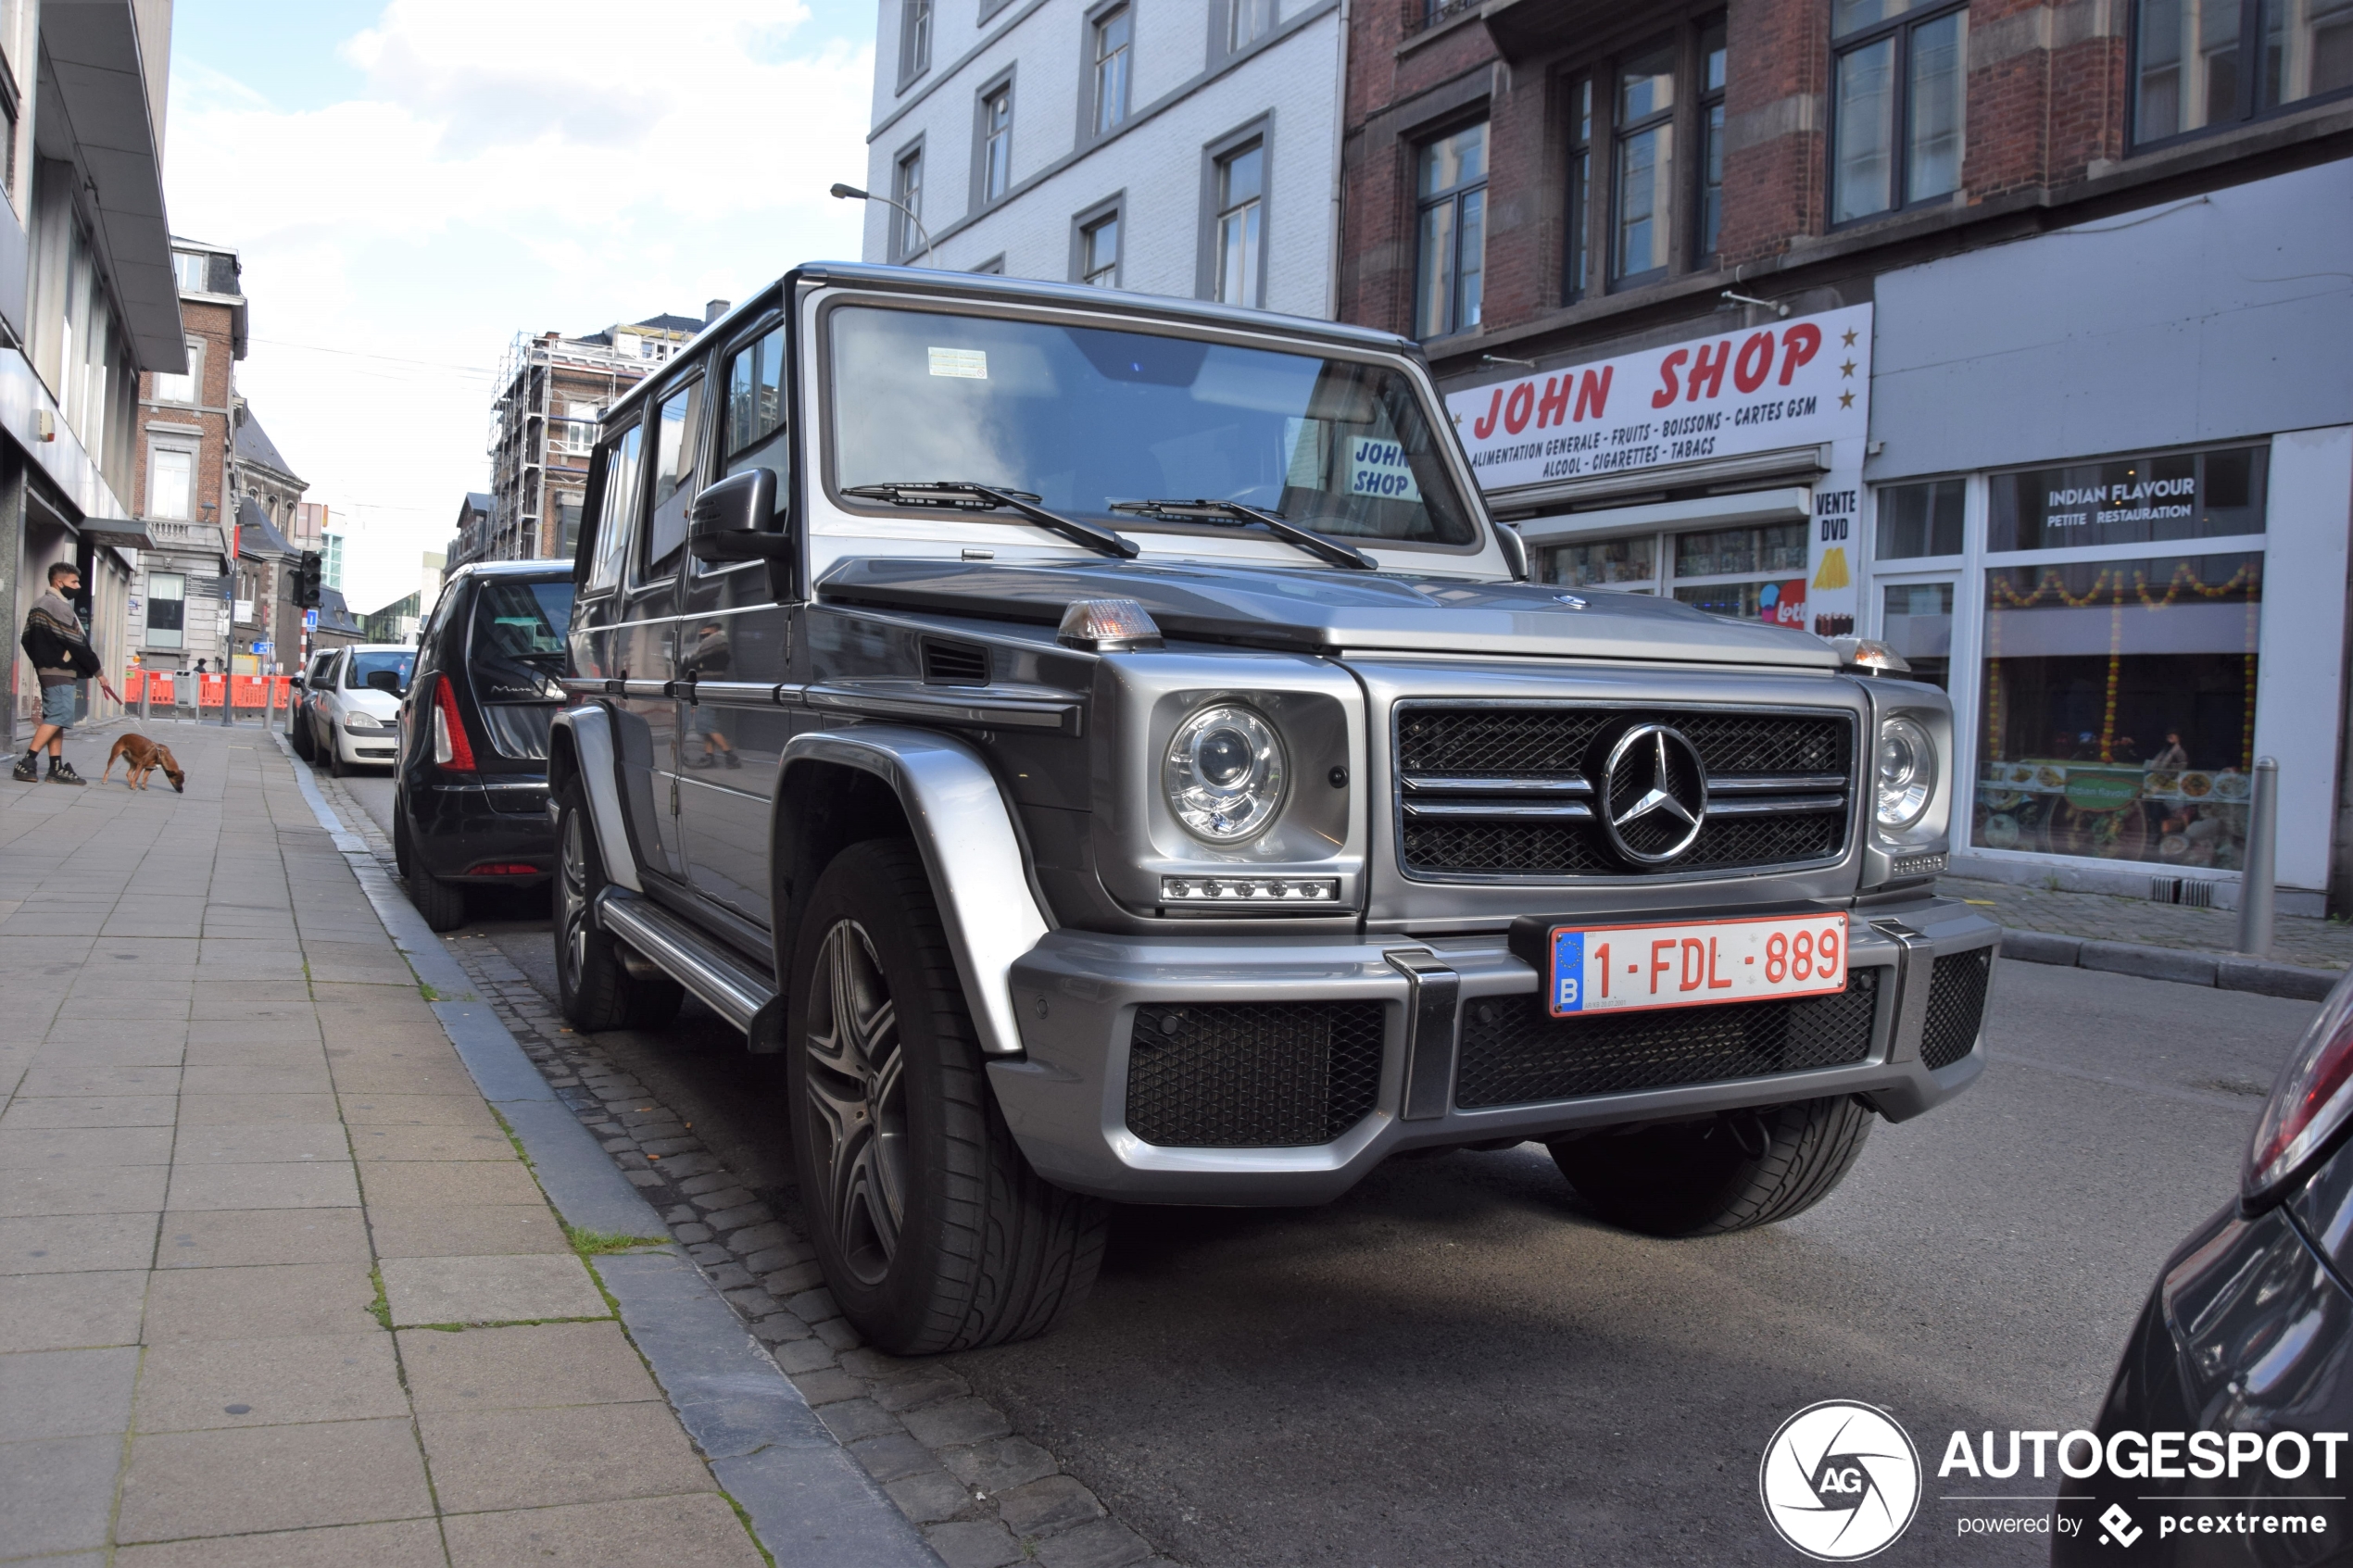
[(592, 1244)]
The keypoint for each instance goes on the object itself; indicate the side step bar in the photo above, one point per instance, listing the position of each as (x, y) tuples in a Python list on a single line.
[(728, 985)]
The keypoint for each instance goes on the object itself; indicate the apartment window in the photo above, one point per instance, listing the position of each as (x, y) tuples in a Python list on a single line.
[(166, 609), (1711, 139), (2202, 65), (1247, 22), (1115, 37), (996, 143), (171, 482), (1451, 184), (1241, 178), (906, 218), (1896, 136), (576, 433), (992, 268), (190, 269), (188, 387), (1577, 240), (1645, 165), (914, 40), (1099, 250)]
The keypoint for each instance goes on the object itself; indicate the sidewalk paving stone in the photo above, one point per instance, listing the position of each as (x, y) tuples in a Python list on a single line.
[(511, 1288), (260, 1143), (463, 1230), (180, 1484), (276, 1184), (207, 1384), (125, 1190), (486, 1459), (65, 1394), (257, 1301), (219, 1238), (89, 1110), (68, 1311), (48, 1244), (448, 1183), (683, 1532), (47, 1148), (410, 1543), (526, 1367), (54, 1493)]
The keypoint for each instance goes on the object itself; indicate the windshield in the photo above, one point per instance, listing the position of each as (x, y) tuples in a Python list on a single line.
[(524, 620), (362, 665), (1084, 417)]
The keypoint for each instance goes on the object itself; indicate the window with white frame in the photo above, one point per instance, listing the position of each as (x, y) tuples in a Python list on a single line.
[(1242, 179), (191, 270), (1247, 22), (1114, 34), (172, 480), (907, 217), (576, 433), (996, 142), (185, 386)]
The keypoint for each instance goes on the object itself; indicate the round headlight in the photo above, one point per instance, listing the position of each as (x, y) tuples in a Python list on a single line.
[(1225, 774), (1907, 773)]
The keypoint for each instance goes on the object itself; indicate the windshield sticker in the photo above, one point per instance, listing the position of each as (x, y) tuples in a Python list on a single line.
[(1378, 468), (967, 364)]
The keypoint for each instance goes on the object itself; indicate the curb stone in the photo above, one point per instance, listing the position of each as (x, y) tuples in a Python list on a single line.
[(807, 1501), (2186, 966), (760, 1265)]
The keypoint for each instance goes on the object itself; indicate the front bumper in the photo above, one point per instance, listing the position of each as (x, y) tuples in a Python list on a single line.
[(1077, 996)]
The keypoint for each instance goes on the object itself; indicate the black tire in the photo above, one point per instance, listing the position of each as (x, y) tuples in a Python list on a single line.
[(593, 987), (299, 736), (932, 1229), (1734, 1171), (336, 766), (442, 903)]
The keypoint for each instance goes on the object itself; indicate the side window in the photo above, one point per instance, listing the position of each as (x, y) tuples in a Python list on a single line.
[(679, 423), (623, 466), (755, 400)]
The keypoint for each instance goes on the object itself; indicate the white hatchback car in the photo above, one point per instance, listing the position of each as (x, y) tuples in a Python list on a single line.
[(354, 711)]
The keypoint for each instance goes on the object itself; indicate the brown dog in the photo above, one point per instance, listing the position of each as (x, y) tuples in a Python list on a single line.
[(141, 756)]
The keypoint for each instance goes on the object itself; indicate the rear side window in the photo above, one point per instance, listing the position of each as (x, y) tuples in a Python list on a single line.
[(755, 395), (680, 422), (623, 468), (522, 620)]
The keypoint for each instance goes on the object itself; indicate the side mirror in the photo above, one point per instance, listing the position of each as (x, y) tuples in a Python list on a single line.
[(735, 520), (386, 681), (296, 681)]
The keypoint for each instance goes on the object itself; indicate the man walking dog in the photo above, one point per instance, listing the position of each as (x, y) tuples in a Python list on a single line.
[(61, 658)]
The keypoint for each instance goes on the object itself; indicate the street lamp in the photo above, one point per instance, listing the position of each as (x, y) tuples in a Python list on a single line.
[(851, 193)]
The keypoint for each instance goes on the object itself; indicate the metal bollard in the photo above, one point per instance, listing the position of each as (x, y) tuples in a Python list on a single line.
[(2257, 880)]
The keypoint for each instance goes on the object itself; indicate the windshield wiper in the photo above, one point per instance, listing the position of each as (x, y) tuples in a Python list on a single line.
[(967, 497), (1233, 514)]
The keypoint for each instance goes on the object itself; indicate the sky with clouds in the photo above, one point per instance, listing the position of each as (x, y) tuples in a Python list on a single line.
[(411, 183)]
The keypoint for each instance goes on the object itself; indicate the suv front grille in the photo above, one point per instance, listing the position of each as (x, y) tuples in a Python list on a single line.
[(1515, 1053), (1957, 987), (1253, 1074), (1510, 791)]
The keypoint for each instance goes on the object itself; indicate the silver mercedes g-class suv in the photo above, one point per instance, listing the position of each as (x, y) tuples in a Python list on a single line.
[(1104, 745)]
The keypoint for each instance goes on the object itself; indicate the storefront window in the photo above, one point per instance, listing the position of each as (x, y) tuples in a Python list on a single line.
[(2128, 501), (1608, 563), (1777, 553), (2119, 707), (1920, 520), (1916, 620)]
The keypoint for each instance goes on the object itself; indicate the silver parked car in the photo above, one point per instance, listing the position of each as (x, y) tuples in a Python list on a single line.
[(1105, 743), (353, 709)]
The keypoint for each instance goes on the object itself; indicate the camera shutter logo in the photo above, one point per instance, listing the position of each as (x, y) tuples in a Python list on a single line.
[(1839, 1481)]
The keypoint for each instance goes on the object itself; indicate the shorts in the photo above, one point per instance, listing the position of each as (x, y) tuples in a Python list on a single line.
[(57, 703)]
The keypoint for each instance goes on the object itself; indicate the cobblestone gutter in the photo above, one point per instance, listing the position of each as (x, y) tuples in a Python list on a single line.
[(984, 1495)]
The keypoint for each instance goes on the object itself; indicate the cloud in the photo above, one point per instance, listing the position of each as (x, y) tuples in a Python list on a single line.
[(505, 169)]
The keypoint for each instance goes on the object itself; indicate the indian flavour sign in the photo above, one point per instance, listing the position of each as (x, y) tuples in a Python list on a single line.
[(1747, 389)]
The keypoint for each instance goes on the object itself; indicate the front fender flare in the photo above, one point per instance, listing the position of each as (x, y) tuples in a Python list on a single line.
[(966, 834), (588, 730)]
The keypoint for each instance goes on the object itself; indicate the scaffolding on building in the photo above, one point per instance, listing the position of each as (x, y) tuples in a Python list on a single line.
[(526, 428)]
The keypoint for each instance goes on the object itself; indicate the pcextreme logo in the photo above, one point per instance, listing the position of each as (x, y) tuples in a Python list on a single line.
[(1839, 1481)]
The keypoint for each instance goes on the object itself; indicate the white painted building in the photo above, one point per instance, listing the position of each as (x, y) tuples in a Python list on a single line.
[(1185, 148)]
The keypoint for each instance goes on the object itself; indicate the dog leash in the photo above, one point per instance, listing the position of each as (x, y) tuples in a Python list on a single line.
[(112, 695)]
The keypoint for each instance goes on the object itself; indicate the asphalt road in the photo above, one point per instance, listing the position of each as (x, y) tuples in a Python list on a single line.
[(1452, 1364)]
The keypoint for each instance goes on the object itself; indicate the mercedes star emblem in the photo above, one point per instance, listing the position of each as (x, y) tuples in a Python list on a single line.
[(1654, 795)]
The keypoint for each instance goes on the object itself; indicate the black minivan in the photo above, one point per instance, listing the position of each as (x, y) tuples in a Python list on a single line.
[(469, 806)]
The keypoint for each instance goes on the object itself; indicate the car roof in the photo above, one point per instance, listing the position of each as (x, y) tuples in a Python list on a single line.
[(1017, 291), (548, 569)]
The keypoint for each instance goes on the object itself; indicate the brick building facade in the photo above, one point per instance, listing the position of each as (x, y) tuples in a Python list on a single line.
[(2006, 332)]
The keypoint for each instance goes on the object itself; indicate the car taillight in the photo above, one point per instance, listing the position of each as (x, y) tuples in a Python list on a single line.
[(451, 746), (2309, 1103)]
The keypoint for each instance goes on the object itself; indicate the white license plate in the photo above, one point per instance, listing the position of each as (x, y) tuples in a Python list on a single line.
[(1693, 964)]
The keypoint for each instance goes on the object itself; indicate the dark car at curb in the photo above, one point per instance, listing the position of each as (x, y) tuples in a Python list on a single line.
[(1105, 747), (470, 801), (2246, 1339)]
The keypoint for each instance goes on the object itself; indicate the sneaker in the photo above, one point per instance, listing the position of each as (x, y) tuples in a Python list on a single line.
[(705, 760), (61, 772), (732, 760), (27, 770)]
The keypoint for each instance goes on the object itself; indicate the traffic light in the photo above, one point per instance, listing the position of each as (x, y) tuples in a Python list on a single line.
[(308, 572)]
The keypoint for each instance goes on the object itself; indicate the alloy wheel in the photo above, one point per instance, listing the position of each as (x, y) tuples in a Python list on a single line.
[(857, 1100), (571, 901)]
